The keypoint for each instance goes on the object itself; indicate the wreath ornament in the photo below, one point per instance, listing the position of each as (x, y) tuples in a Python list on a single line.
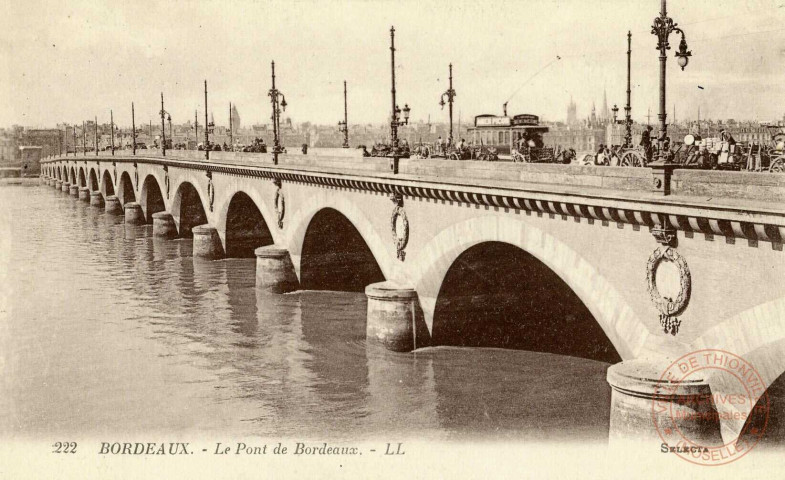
[(399, 214), (210, 189), (280, 203), (668, 307), (166, 180)]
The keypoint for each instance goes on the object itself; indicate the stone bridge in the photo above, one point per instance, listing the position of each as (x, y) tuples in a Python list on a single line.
[(636, 266)]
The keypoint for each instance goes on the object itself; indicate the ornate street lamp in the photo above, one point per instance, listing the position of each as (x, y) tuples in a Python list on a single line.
[(615, 111), (395, 120), (450, 94), (343, 126), (628, 107), (662, 28), (207, 126), (277, 105)]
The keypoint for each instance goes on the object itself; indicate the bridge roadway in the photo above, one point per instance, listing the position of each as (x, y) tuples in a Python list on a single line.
[(663, 262)]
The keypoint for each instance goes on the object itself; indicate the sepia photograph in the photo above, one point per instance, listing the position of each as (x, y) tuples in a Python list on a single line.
[(392, 239)]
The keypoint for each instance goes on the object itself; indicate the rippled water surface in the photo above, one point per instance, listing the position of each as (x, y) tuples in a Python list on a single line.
[(106, 330)]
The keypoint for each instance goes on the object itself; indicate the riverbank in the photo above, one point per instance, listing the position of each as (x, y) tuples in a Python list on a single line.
[(24, 181)]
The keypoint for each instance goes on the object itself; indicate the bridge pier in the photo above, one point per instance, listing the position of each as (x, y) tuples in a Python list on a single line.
[(163, 225), (395, 318), (84, 194), (274, 270), (58, 184), (96, 199), (112, 205), (73, 190), (648, 409), (133, 213), (66, 187), (207, 242)]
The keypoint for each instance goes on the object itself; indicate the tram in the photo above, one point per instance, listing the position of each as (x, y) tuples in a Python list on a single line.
[(504, 133)]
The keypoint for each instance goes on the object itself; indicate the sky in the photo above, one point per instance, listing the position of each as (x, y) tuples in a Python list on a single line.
[(75, 60)]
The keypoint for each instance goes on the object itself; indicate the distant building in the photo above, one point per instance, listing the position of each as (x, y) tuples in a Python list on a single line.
[(572, 113), (31, 160), (582, 138), (236, 125), (49, 139)]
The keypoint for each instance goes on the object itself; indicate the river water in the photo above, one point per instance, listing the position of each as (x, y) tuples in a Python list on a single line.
[(105, 330)]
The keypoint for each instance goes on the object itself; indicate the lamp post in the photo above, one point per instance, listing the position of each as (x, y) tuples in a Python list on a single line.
[(73, 131), (615, 111), (395, 120), (111, 124), (231, 132), (95, 138), (275, 94), (450, 94), (196, 127), (133, 128), (662, 28), (163, 113), (206, 126), (628, 107), (343, 126), (84, 139)]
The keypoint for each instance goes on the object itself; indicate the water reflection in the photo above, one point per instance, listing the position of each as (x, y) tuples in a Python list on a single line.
[(149, 339)]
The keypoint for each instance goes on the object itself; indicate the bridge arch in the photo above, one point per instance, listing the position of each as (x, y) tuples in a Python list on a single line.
[(150, 197), (107, 185), (72, 176), (125, 189), (245, 225), (758, 336), (382, 251), (430, 265), (81, 178), (93, 180), (335, 256), (188, 208), (498, 295)]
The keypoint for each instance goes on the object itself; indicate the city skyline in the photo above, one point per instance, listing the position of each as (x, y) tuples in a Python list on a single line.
[(133, 52)]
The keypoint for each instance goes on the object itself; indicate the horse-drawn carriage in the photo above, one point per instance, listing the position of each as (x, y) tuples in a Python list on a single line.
[(530, 154), (258, 146), (386, 150), (616, 156), (467, 152)]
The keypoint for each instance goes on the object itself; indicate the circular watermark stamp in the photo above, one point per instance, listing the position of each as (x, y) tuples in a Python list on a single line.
[(710, 407)]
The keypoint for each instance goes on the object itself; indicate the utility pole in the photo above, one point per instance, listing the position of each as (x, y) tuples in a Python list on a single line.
[(344, 125), (396, 112)]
